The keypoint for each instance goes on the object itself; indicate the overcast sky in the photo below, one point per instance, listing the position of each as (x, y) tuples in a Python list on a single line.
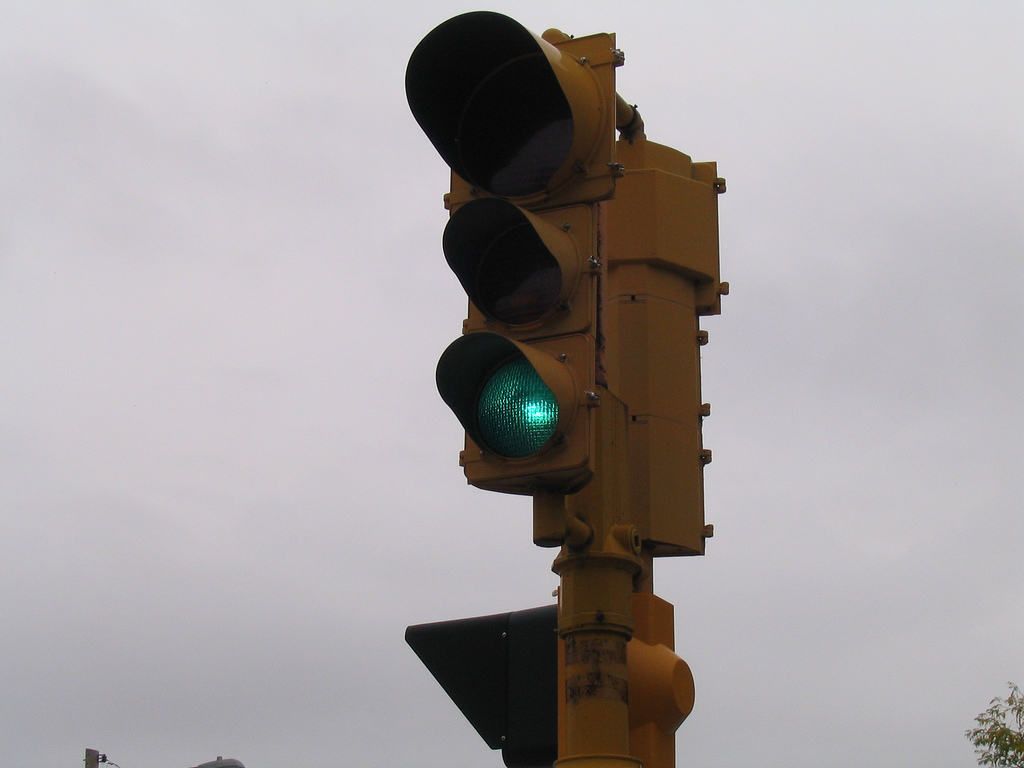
[(227, 482)]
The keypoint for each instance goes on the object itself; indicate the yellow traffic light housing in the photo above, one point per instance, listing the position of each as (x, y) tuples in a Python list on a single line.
[(526, 124), (663, 273)]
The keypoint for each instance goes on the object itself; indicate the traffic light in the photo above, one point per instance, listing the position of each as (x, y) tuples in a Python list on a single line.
[(92, 758), (526, 125), (587, 263)]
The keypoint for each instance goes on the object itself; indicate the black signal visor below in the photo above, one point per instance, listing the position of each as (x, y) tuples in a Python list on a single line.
[(501, 671)]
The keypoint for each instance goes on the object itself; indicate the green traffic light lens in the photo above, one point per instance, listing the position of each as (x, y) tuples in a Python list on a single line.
[(516, 411)]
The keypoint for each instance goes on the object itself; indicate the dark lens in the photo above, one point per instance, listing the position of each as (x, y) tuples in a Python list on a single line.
[(518, 279), (516, 130)]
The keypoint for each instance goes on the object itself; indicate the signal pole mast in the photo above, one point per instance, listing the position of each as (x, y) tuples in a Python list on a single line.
[(587, 262)]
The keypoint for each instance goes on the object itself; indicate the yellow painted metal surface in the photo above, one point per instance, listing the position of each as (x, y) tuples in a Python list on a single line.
[(594, 608), (659, 685), (661, 689), (661, 248)]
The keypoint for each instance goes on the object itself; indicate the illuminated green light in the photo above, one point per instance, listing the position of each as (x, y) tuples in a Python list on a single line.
[(516, 411)]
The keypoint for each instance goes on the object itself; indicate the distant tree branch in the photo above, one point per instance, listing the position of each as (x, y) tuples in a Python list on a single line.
[(996, 741)]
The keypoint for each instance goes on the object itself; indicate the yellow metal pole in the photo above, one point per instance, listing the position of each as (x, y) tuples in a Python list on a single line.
[(594, 618)]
